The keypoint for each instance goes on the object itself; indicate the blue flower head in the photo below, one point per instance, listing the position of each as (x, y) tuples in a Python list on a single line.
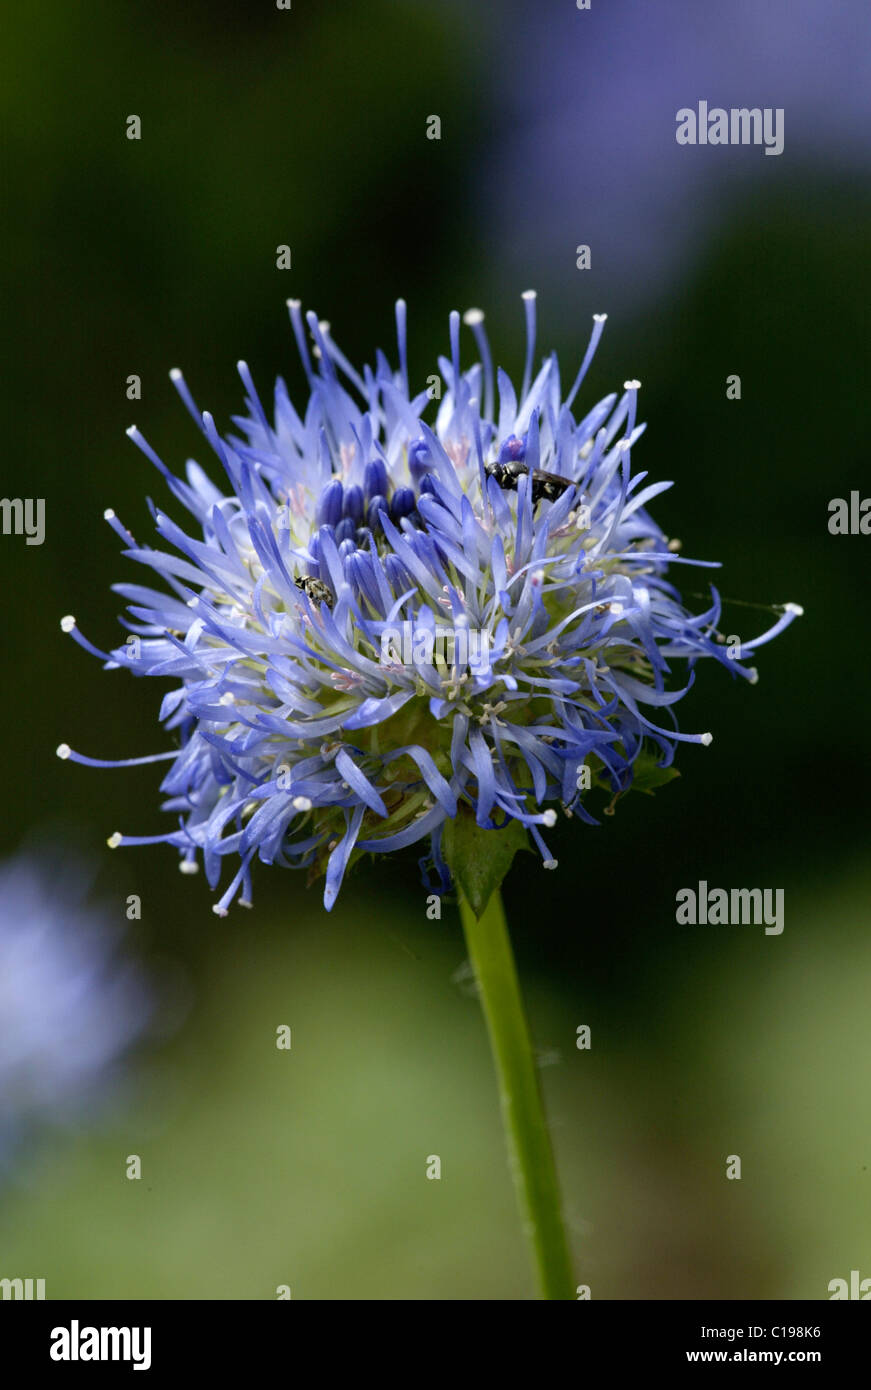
[(376, 618)]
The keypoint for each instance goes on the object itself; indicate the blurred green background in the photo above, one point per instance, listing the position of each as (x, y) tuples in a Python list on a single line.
[(307, 1168)]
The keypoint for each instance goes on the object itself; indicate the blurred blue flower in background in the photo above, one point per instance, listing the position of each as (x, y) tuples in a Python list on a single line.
[(588, 93), (72, 1002)]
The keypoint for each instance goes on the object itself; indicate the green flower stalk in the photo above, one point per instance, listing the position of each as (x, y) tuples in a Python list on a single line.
[(381, 631)]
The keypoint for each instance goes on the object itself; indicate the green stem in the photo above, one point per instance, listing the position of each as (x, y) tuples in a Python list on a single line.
[(529, 1148)]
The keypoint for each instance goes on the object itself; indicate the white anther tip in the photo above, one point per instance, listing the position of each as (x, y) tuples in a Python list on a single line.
[(188, 866), (301, 803), (549, 818), (706, 739), (599, 318), (63, 751), (529, 294), (549, 863), (68, 623), (795, 608), (175, 373), (472, 317), (632, 385), (114, 840)]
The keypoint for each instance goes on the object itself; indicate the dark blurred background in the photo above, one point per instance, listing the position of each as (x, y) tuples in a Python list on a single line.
[(262, 127)]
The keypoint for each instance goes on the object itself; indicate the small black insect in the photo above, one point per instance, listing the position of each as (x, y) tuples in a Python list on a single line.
[(546, 487), (316, 590), (510, 468)]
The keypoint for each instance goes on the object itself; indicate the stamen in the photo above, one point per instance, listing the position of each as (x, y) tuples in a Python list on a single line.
[(474, 319), (454, 328), (142, 444), (118, 527), (598, 329), (248, 383), (633, 388), (294, 308), (401, 341), (329, 369), (528, 297), (64, 751), (341, 360), (188, 401), (68, 625)]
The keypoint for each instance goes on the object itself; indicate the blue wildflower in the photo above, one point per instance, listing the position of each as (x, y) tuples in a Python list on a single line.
[(325, 698), (71, 1002)]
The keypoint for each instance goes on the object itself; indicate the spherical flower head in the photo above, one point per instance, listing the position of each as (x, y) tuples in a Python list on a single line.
[(399, 604), (72, 1000)]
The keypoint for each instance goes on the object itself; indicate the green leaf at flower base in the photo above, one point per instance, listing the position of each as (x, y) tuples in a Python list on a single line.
[(648, 775), (479, 859)]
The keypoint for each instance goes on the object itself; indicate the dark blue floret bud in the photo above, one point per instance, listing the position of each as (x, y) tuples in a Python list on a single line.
[(354, 504), (512, 448), (330, 503), (396, 573), (378, 504), (427, 484), (346, 547), (402, 503), (346, 531), (314, 551), (375, 479), (419, 461)]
